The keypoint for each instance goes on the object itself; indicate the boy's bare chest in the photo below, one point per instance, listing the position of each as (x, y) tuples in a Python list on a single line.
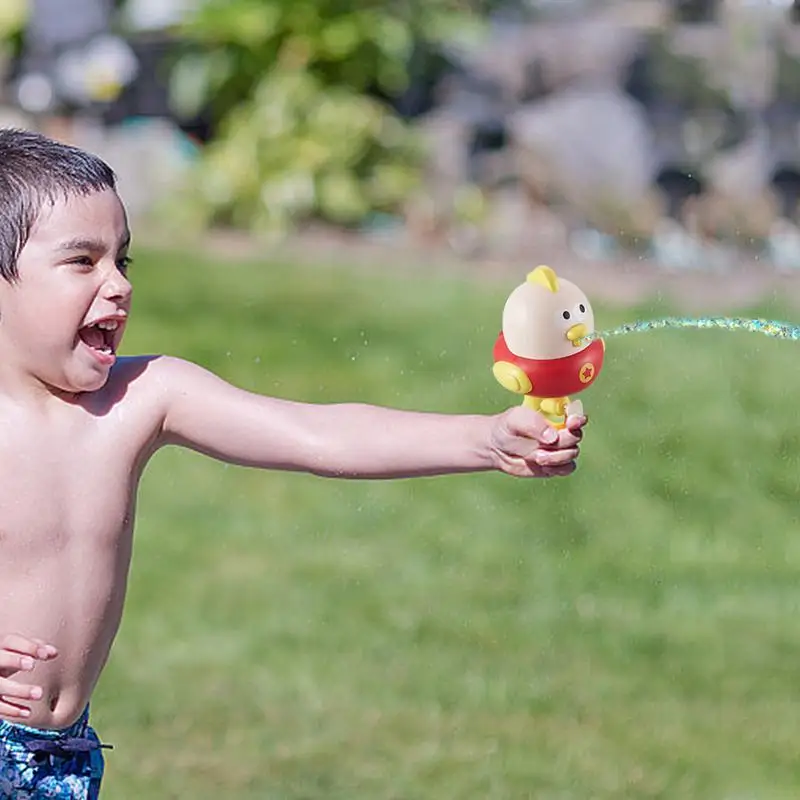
[(58, 480)]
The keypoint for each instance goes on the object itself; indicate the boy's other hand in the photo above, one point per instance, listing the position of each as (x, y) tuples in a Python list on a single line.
[(525, 445), (20, 654)]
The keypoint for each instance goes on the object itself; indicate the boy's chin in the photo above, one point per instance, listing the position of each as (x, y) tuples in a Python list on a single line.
[(83, 381), (92, 386)]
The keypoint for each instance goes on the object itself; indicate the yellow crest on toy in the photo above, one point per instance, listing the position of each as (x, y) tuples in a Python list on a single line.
[(544, 276)]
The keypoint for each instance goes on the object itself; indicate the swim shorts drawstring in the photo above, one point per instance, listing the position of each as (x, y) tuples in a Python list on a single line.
[(63, 746)]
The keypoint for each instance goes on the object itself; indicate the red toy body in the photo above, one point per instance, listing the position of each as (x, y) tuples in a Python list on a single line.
[(556, 377)]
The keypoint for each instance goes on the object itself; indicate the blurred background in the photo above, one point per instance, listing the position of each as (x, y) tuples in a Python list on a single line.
[(331, 202), (663, 130)]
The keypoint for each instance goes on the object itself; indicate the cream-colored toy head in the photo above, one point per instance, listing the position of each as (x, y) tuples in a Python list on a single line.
[(547, 317)]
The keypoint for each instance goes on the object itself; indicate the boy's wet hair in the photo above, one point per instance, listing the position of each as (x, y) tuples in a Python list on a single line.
[(36, 171)]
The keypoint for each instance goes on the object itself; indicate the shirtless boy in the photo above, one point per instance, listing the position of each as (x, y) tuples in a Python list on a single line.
[(78, 424)]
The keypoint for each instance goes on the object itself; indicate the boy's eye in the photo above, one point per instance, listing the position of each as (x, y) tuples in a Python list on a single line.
[(82, 261), (123, 264)]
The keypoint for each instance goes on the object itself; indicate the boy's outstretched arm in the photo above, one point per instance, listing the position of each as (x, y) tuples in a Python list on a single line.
[(203, 412)]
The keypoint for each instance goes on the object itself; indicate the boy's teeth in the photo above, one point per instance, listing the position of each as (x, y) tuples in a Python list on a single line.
[(108, 325)]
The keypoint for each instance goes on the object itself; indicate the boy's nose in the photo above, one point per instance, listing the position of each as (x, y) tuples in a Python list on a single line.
[(117, 287)]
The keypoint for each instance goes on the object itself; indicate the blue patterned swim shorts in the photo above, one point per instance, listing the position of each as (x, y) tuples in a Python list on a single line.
[(37, 764)]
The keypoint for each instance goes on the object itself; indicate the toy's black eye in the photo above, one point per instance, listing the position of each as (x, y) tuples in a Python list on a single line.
[(582, 307), (565, 315)]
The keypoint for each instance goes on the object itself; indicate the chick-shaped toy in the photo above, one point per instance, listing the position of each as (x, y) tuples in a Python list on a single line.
[(543, 351)]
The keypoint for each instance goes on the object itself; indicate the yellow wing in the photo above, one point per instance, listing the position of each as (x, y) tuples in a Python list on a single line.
[(511, 377)]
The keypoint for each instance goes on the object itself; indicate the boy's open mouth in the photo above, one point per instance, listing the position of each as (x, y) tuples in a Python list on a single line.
[(101, 336)]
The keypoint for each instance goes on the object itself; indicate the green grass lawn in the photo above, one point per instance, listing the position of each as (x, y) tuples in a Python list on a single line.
[(630, 632)]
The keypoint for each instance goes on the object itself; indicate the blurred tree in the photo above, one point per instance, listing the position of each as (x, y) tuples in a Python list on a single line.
[(13, 18), (13, 15), (300, 91)]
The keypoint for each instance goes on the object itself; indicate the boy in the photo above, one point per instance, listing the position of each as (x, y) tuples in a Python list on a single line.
[(78, 424)]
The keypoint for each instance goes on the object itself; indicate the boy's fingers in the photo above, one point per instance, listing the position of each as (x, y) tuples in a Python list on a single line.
[(567, 439), (527, 423), (570, 436), (35, 648), (13, 710), (19, 691), (45, 650), (560, 471), (577, 423), (574, 427), (19, 644), (555, 458), (15, 661)]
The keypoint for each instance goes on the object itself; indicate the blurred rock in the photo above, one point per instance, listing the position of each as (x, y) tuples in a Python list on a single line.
[(783, 246), (591, 146), (593, 245), (626, 129), (529, 61), (513, 228), (675, 249), (446, 136)]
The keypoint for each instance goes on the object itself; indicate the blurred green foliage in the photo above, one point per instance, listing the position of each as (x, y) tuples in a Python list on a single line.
[(13, 15), (295, 87)]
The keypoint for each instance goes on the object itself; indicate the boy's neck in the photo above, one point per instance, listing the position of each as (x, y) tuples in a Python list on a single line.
[(26, 390)]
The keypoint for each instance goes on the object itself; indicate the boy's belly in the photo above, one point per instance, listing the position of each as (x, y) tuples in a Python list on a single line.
[(79, 614), (62, 705)]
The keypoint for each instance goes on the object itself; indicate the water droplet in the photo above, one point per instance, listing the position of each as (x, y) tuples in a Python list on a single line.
[(775, 329)]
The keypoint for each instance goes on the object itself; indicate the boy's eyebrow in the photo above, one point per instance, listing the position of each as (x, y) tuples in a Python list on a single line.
[(90, 245)]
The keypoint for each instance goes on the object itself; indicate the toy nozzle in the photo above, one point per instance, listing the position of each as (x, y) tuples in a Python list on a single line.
[(576, 333)]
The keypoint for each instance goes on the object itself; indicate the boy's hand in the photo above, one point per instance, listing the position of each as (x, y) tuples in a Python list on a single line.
[(524, 444), (20, 654)]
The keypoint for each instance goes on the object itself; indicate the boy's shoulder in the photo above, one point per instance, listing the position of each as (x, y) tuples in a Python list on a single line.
[(149, 391), (154, 377), (146, 380), (146, 370), (128, 369)]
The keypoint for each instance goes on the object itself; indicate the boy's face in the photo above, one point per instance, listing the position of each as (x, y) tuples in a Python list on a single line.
[(63, 319)]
